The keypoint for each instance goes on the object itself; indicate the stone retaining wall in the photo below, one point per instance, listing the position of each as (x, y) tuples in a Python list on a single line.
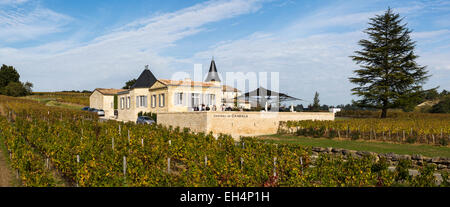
[(441, 163), (236, 123)]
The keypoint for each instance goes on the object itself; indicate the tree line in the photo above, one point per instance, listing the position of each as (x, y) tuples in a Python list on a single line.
[(10, 84)]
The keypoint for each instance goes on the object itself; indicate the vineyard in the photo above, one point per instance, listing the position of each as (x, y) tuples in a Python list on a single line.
[(411, 128), (64, 97), (49, 146)]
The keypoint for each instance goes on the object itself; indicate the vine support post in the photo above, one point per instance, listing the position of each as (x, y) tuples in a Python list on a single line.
[(125, 167), (301, 165), (403, 136), (168, 165), (274, 166), (389, 135), (348, 131), (78, 164), (112, 141)]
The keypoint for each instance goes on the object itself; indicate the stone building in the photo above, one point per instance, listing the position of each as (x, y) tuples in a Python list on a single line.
[(103, 98), (150, 94), (199, 106)]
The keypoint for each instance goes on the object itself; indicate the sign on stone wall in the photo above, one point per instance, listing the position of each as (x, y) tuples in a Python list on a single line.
[(230, 116)]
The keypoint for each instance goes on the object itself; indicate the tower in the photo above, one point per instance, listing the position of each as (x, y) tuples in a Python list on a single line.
[(212, 74), (145, 80)]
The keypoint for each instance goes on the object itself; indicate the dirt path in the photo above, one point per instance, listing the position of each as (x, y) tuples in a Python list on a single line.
[(5, 175)]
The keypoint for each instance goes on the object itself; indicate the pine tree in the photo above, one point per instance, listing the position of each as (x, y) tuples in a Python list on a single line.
[(316, 102), (389, 76)]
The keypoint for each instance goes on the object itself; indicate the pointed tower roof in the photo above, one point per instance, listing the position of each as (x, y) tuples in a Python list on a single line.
[(145, 80), (212, 74)]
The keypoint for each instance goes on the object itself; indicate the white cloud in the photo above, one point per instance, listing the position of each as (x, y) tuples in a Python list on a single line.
[(310, 59), (27, 23), (110, 60), (307, 58), (430, 34), (306, 64), (12, 2)]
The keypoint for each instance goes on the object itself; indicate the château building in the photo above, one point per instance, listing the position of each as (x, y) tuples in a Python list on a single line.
[(150, 94)]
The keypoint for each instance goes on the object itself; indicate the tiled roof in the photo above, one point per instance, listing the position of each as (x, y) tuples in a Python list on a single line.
[(186, 83), (145, 80), (227, 88), (212, 74), (110, 91)]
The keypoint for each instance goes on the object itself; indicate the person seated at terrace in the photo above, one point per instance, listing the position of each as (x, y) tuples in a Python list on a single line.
[(203, 107)]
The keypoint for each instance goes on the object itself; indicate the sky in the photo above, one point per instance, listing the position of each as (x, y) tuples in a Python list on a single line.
[(87, 44)]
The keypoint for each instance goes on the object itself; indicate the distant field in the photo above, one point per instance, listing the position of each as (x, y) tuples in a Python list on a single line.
[(359, 145), (62, 99), (405, 127)]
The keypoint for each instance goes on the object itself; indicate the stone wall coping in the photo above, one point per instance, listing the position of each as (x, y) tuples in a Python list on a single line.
[(242, 112), (440, 162)]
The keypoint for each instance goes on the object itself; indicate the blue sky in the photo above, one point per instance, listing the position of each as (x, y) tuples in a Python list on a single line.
[(76, 45)]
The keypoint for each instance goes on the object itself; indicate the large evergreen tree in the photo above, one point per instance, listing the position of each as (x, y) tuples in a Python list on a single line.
[(389, 76), (316, 102)]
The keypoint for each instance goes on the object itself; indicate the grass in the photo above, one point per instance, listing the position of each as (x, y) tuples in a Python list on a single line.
[(53, 102), (359, 145)]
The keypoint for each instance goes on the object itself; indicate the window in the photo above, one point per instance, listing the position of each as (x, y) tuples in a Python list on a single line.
[(178, 99), (128, 102), (195, 102), (144, 101), (122, 104), (153, 101), (141, 101), (162, 100), (210, 99)]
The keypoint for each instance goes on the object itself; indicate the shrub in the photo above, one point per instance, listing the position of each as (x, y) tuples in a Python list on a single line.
[(442, 107), (411, 140), (332, 133), (381, 165), (402, 170), (355, 135), (443, 141), (426, 177)]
